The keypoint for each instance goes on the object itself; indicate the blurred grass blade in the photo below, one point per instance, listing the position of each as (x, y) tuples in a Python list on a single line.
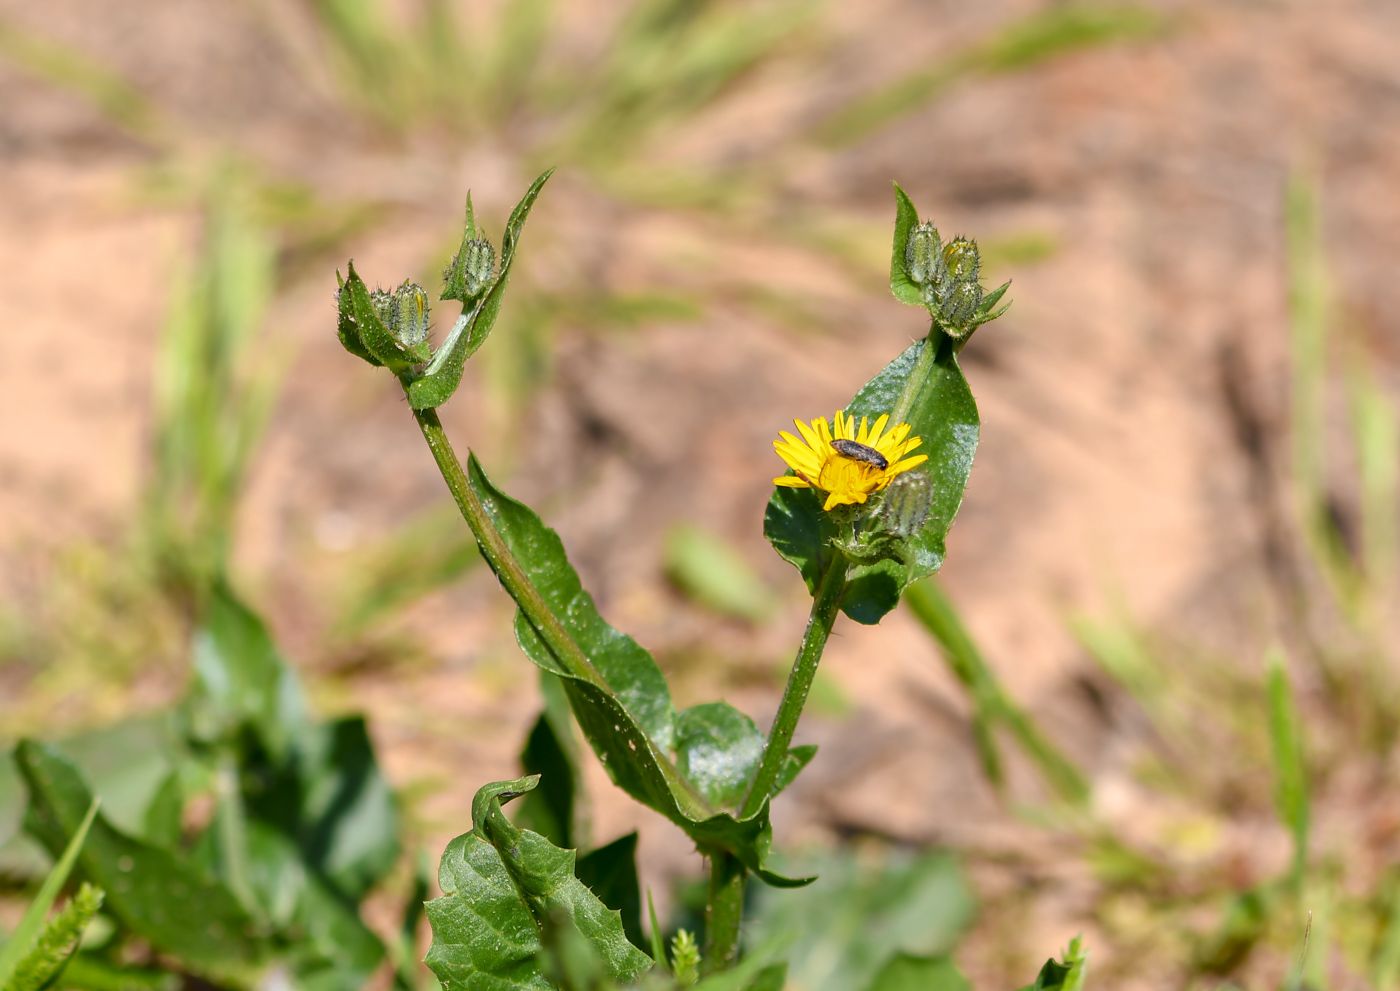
[(991, 706), (712, 573), (1290, 769), (215, 387), (32, 922), (114, 96), (1376, 437), (1034, 39)]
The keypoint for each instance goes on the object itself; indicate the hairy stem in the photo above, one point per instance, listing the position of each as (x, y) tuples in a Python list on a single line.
[(804, 669), (724, 911)]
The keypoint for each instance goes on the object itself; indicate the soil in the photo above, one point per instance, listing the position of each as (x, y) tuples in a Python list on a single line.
[(1134, 400)]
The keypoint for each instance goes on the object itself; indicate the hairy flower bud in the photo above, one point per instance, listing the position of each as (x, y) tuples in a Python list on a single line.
[(962, 261), (404, 312), (905, 506), (472, 269), (923, 254), (412, 328)]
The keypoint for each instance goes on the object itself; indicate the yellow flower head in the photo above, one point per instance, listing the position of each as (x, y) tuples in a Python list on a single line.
[(848, 464)]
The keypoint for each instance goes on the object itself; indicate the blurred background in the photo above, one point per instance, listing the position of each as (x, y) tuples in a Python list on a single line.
[(1166, 716)]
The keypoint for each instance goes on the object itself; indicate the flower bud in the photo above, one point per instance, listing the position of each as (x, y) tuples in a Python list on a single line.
[(404, 312), (923, 255), (412, 328), (472, 269), (962, 261), (905, 506)]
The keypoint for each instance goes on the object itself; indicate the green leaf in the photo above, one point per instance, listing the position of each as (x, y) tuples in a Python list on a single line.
[(240, 678), (442, 376), (500, 885), (610, 872), (718, 751), (454, 283), (906, 218), (549, 809), (800, 531), (797, 758), (91, 972), (155, 893), (33, 919), (906, 972), (330, 947), (862, 914), (329, 796), (629, 720), (943, 414), (347, 328), (1066, 974), (358, 317)]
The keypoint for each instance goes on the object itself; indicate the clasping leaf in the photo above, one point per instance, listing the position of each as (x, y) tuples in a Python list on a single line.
[(501, 887)]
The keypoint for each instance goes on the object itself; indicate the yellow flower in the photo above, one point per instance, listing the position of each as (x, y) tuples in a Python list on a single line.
[(847, 464)]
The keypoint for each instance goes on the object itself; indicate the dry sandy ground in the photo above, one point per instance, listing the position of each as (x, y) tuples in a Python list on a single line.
[(1114, 395)]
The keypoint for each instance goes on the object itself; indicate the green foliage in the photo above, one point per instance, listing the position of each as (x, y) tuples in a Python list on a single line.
[(685, 958), (31, 925), (159, 895), (44, 963), (1065, 974), (500, 885), (992, 708), (303, 824), (623, 704), (701, 565), (864, 914), (905, 972)]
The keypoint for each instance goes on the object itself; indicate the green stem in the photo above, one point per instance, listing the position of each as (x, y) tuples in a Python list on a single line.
[(724, 911), (804, 669), (502, 561), (558, 639)]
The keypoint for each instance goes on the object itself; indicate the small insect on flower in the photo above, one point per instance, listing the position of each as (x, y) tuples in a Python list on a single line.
[(847, 462), (860, 452)]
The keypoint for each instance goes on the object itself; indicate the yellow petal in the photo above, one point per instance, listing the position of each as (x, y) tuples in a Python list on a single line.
[(908, 463), (875, 431), (792, 482)]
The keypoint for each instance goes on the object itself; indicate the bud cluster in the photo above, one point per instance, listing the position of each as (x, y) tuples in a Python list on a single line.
[(948, 279), (405, 312)]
